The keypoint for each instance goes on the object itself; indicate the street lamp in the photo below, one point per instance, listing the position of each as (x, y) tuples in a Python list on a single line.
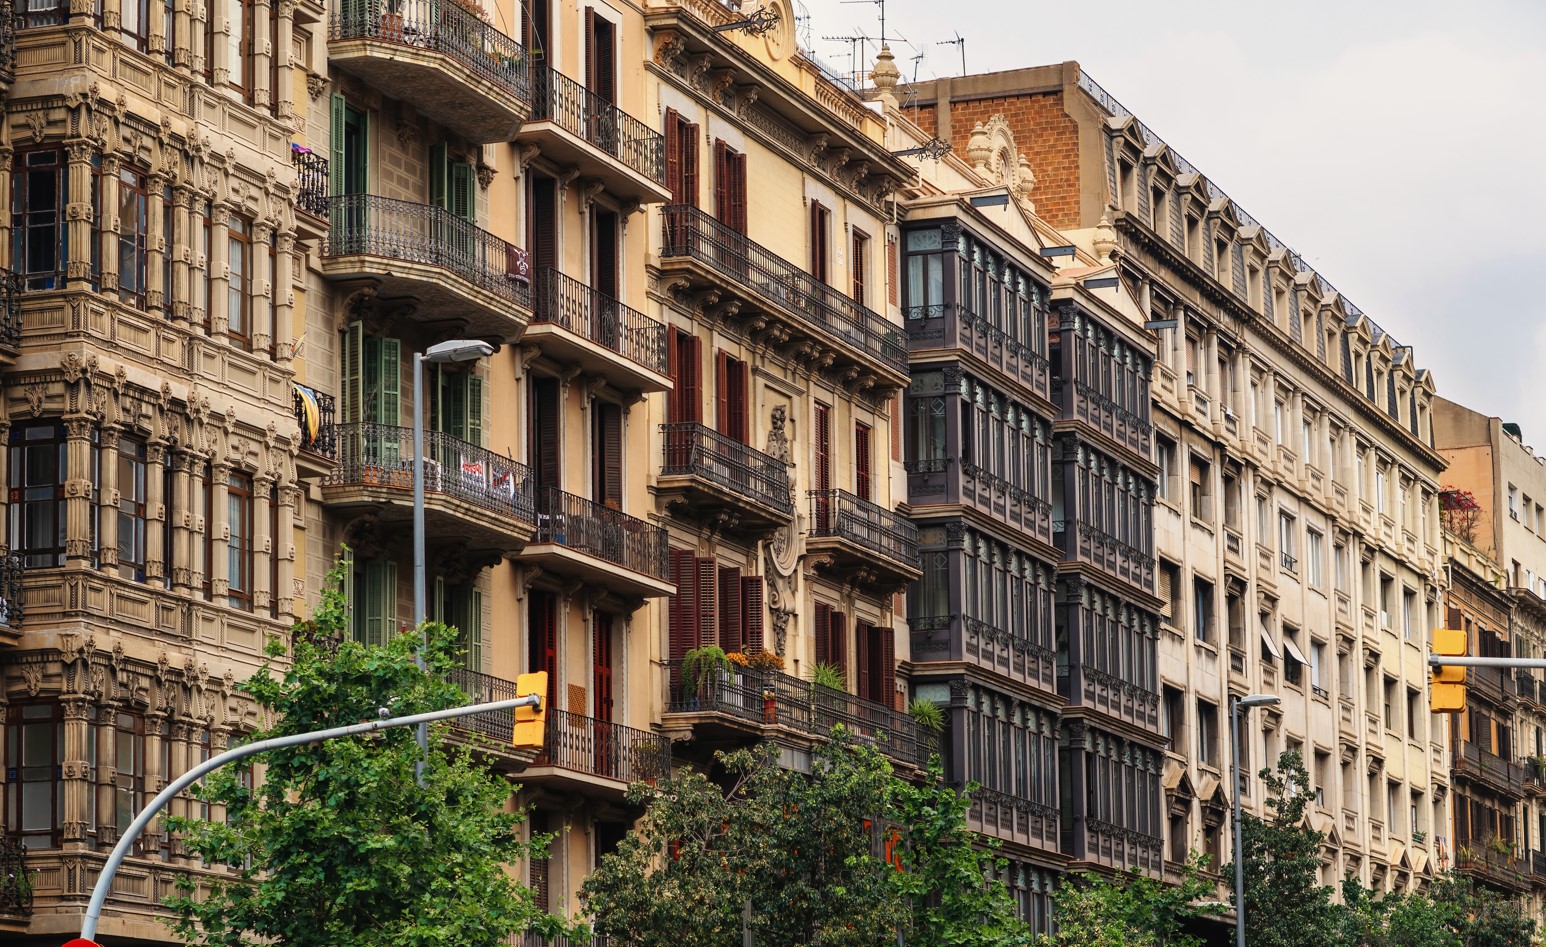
[(1241, 704), (441, 353)]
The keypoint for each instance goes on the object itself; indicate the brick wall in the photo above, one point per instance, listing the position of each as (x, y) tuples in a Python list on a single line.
[(1047, 137)]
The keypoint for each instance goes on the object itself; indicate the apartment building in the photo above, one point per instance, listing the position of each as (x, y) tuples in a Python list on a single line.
[(1296, 528), (1491, 511)]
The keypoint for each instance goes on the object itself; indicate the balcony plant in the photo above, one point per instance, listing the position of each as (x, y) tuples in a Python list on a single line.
[(829, 676), (701, 665), (927, 714)]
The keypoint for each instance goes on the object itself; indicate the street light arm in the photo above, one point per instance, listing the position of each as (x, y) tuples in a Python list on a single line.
[(141, 821)]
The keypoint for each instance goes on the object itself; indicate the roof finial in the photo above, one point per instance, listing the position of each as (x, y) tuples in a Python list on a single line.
[(1105, 242), (886, 75)]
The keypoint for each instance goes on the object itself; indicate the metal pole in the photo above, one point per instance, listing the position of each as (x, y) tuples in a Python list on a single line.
[(419, 608), (1234, 753), (1441, 660), (137, 827)]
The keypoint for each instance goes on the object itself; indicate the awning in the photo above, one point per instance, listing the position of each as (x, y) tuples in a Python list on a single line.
[(313, 414), (1294, 652), (1419, 860), (1270, 645), (1397, 854)]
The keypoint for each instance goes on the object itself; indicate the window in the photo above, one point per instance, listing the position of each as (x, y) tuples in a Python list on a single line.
[(239, 546), (1277, 422), (930, 598), (607, 453), (40, 241), (863, 485), (820, 236), (1322, 776), (1207, 733), (133, 232), (925, 277), (1513, 501), (1318, 668), (1232, 501), (859, 264), (131, 509), (1288, 534), (1201, 486), (542, 637), (39, 467), (34, 755), (600, 62), (129, 766), (876, 658), (374, 611), (1409, 613), (730, 396), (831, 639), (1170, 591), (1339, 553), (681, 159), (1165, 456), (239, 42), (1315, 559), (1294, 660), (239, 288), (730, 187), (1202, 609), (1414, 714), (1379, 487), (1174, 701), (1392, 709), (1387, 586)]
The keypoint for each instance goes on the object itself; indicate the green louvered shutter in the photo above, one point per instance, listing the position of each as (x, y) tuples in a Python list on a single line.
[(474, 411), (380, 594), (472, 635), (463, 197), (353, 380), (336, 154)]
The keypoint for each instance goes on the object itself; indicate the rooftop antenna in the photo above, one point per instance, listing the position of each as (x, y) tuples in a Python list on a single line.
[(958, 41), (916, 60), (802, 25), (857, 47), (879, 3)]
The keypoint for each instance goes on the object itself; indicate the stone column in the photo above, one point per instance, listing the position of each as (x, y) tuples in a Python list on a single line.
[(157, 510), (263, 543), (219, 267), (6, 155), (107, 201), (107, 490), (284, 548), (262, 41), (220, 52), (181, 42), (181, 761), (200, 58), (112, 15), (282, 299), (79, 222), (284, 94), (156, 736), (181, 290), (78, 490), (219, 526), (180, 522), (78, 812), (263, 265), (158, 242)]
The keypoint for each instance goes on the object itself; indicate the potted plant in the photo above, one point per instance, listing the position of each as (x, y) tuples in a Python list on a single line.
[(926, 714), (701, 665)]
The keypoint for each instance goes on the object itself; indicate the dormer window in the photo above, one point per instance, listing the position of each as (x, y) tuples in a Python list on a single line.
[(1193, 237), (1157, 210), (1221, 262)]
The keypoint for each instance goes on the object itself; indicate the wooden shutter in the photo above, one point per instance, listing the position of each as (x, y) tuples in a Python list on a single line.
[(604, 74), (604, 252), (544, 223), (722, 392), (690, 365), (607, 458), (839, 646), (823, 633), (751, 602), (472, 634), (1165, 592), (856, 264), (380, 601), (732, 628), (689, 150), (542, 632), (681, 612), (736, 166), (722, 183), (337, 158), (473, 408), (862, 481), (538, 867), (823, 448), (737, 400), (463, 192), (887, 645), (386, 400), (673, 136), (601, 664), (439, 176), (352, 375), (708, 604), (590, 48), (673, 370), (544, 445), (818, 241), (862, 657), (892, 277)]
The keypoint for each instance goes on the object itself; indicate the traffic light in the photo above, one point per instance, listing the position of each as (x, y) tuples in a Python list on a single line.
[(531, 722), (1446, 688)]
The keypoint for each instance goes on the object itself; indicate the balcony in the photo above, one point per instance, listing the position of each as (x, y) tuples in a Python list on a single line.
[(439, 58), (952, 327), (741, 703), (708, 475), (1015, 654), (576, 325), (863, 539), (1538, 868), (1489, 769), (942, 480), (470, 494), (312, 183), (601, 754), (315, 419), (1480, 859), (1079, 401), (601, 547), (1117, 846), (12, 596), (576, 128), (1496, 685), (1083, 542), (10, 315), (461, 279), (1535, 776), (786, 304), (15, 886), (1085, 685), (1013, 819)]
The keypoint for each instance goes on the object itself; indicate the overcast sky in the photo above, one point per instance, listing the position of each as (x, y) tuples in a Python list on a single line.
[(1399, 146)]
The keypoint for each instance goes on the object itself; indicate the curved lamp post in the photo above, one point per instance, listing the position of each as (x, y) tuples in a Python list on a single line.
[(1241, 705)]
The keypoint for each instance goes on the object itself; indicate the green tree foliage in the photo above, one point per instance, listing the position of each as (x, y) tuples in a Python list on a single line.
[(1285, 903), (1132, 910), (1451, 912), (804, 857), (337, 846)]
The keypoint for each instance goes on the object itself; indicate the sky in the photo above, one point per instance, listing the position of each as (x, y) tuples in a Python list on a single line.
[(1400, 147)]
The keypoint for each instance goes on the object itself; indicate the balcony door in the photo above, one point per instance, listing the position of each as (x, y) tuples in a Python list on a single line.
[(461, 607), (372, 400), (348, 170), (542, 227), (542, 639), (601, 82), (604, 278), (544, 443), (608, 753), (452, 188), (823, 469), (684, 407)]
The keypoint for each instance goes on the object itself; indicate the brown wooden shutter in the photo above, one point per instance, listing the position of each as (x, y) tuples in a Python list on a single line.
[(732, 632), (601, 663), (823, 448), (692, 375), (673, 397), (818, 242), (722, 182), (708, 604), (590, 48), (863, 485), (544, 432), (738, 409), (751, 601), (839, 646), (862, 656), (887, 645), (673, 134), (608, 457), (722, 392), (856, 265), (681, 613), (604, 252), (891, 272), (689, 149), (538, 867), (737, 167), (1164, 592), (606, 61), (544, 223), (542, 638), (823, 633), (896, 426)]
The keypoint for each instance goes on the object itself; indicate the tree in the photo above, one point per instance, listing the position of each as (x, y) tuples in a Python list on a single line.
[(1285, 903), (845, 856), (1452, 912), (1133, 910), (337, 846)]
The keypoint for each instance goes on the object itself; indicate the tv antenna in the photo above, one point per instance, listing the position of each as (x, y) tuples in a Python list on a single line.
[(958, 41), (858, 45), (916, 60), (882, 5), (802, 25)]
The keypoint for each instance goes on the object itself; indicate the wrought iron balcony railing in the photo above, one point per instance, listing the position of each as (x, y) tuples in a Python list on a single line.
[(445, 28), (587, 526), (381, 455), (10, 309), (689, 232), (775, 698), (11, 592), (495, 725), (15, 886), (691, 449), (603, 748), (844, 515), (570, 304), (368, 225), (312, 181), (315, 416), (559, 99)]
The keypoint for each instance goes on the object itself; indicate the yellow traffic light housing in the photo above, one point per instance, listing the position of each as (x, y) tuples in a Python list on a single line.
[(531, 722), (1446, 687)]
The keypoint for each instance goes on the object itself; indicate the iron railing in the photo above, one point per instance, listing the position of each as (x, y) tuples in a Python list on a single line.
[(15, 886), (312, 181), (570, 304), (480, 688), (441, 27), (692, 449), (603, 748), (773, 698), (844, 515), (10, 309), (689, 232), (587, 526), (324, 442), (11, 591), (365, 224), (381, 455), (1504, 775), (559, 99)]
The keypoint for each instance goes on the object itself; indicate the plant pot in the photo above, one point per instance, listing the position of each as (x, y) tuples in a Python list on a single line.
[(392, 27)]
